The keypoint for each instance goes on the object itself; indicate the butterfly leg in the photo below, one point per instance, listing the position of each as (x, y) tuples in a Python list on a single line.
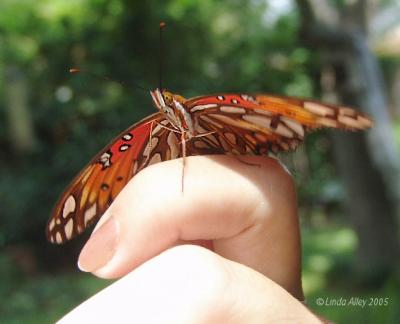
[(151, 133), (183, 141), (169, 128), (150, 141)]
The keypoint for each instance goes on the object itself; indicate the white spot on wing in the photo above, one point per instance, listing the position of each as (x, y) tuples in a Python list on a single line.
[(69, 206), (124, 147), (171, 140), (364, 122), (284, 131), (232, 110), (327, 122), (58, 237), (135, 166), (202, 107), (298, 128), (349, 121), (156, 158), (52, 224), (248, 98), (90, 213), (258, 120), (347, 111), (127, 137), (68, 228), (263, 112), (319, 109), (229, 120), (105, 159)]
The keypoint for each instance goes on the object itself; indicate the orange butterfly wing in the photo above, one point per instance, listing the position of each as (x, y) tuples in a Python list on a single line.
[(97, 185), (315, 114), (245, 124)]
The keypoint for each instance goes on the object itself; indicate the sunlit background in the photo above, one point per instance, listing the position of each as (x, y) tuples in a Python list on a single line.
[(52, 123)]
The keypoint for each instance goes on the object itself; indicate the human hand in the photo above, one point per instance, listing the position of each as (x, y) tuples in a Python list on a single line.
[(246, 214)]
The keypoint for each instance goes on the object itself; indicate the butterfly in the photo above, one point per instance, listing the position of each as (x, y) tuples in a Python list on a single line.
[(238, 124)]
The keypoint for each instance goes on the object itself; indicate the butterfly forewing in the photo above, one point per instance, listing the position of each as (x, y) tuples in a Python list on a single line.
[(97, 185)]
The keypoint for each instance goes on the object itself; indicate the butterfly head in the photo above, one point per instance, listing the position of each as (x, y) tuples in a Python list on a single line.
[(172, 107)]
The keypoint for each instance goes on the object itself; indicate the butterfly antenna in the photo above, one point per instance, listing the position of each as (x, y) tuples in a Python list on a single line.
[(105, 78), (160, 59)]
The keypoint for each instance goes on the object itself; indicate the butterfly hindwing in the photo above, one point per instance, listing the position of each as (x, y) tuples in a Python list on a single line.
[(246, 124)]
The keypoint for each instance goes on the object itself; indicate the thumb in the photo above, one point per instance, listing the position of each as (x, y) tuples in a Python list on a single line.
[(189, 284)]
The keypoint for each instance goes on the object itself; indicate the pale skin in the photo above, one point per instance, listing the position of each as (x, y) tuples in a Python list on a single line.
[(226, 250)]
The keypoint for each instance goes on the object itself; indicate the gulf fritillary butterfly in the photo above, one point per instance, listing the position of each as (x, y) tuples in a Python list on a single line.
[(236, 124)]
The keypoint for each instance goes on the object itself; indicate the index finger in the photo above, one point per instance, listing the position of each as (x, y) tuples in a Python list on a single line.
[(246, 210)]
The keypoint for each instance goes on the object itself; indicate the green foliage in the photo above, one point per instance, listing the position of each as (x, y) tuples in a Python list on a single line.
[(397, 133), (42, 299), (328, 253)]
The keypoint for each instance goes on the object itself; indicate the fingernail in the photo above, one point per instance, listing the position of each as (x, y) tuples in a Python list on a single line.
[(100, 248)]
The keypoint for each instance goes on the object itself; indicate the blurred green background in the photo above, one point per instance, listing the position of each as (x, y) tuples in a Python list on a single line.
[(52, 123)]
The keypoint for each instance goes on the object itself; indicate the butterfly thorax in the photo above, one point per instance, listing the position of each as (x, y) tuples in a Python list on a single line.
[(172, 107)]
